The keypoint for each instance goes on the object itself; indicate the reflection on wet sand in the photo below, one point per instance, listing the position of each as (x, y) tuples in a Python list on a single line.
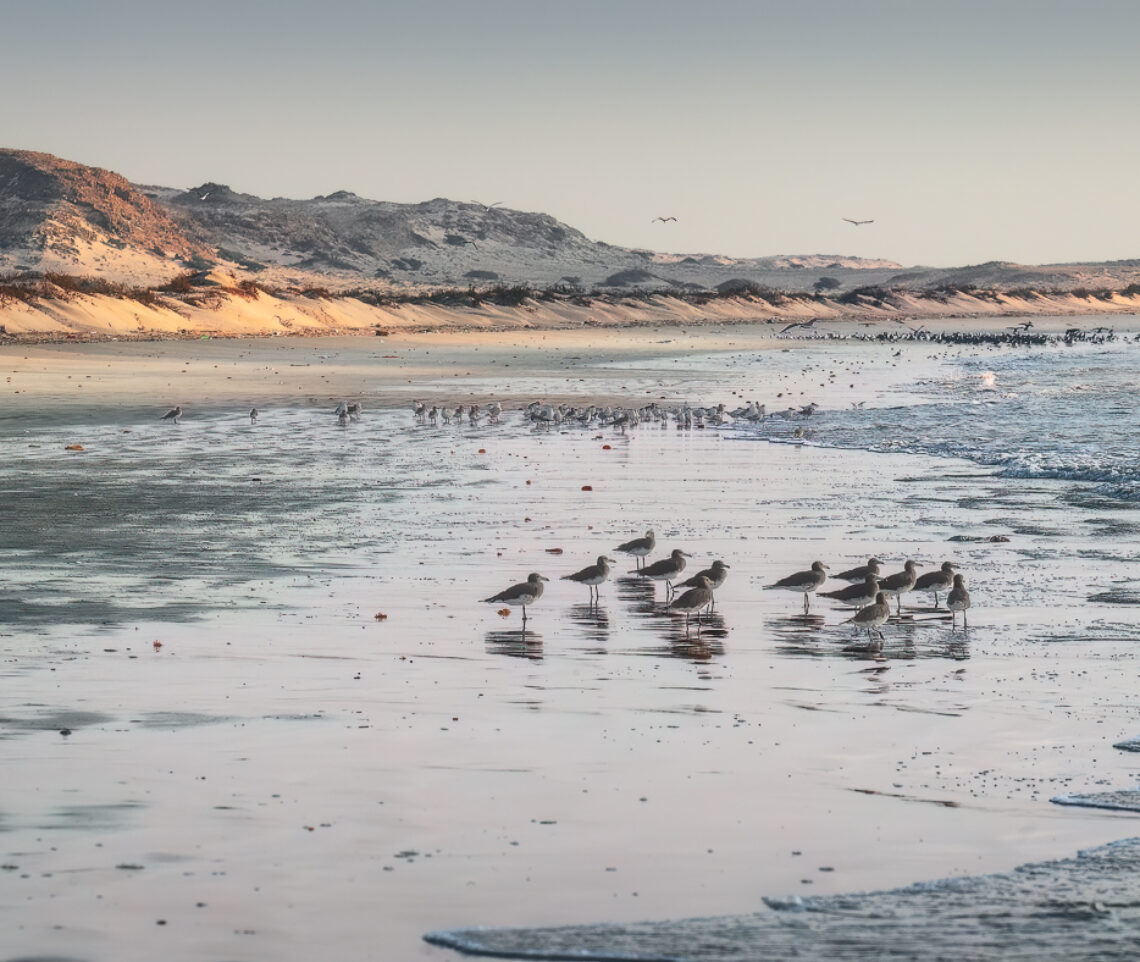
[(515, 643), (593, 620), (904, 638)]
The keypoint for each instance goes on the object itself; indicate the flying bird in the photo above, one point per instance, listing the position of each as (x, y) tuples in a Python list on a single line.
[(858, 223), (664, 220)]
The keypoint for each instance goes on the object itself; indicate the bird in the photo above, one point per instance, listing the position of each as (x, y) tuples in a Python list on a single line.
[(205, 195), (639, 547), (523, 594), (354, 410), (858, 223), (804, 581), (253, 415), (593, 575), (872, 567), (694, 600), (664, 220), (900, 583), (873, 616), (958, 599), (936, 581), (172, 415), (714, 575), (665, 570), (856, 595)]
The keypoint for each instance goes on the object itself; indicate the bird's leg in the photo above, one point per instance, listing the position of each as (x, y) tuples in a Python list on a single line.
[(936, 601), (965, 623), (524, 614), (806, 602)]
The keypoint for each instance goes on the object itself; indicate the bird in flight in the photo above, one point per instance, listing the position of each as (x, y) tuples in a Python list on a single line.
[(664, 220), (858, 223), (497, 203)]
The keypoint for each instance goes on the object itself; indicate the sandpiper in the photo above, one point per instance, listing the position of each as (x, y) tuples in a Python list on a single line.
[(936, 581), (872, 567), (523, 594), (665, 570), (899, 583), (592, 576), (172, 415), (639, 547), (694, 600), (958, 600), (804, 581), (714, 574), (873, 616), (253, 415), (858, 596)]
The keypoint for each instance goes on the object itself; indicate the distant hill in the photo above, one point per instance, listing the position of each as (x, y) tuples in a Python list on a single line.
[(58, 215)]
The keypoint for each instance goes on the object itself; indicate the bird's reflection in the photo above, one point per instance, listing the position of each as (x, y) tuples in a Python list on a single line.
[(798, 634), (514, 643), (593, 622)]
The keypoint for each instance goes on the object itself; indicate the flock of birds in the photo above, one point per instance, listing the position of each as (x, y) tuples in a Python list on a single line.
[(868, 592)]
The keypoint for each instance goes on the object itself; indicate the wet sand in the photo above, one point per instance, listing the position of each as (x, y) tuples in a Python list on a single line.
[(287, 777)]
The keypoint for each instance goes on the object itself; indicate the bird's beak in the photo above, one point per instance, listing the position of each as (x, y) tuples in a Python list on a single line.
[(544, 578), (685, 554), (723, 565), (825, 567)]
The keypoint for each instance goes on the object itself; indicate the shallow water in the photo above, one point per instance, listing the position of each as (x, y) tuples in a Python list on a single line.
[(291, 777)]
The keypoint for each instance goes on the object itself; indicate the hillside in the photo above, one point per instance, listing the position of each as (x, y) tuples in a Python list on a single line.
[(60, 216)]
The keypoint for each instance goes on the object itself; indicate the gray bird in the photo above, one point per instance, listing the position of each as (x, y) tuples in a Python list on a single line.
[(873, 616), (803, 581), (253, 415), (936, 581), (523, 594), (872, 567), (172, 415), (639, 547), (593, 575), (958, 600), (694, 601), (900, 583), (715, 575), (858, 596), (665, 570)]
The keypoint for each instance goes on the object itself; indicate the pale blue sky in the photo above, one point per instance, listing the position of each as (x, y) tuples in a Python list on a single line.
[(970, 131)]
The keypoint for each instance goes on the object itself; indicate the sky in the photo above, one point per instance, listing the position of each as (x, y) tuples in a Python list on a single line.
[(968, 131)]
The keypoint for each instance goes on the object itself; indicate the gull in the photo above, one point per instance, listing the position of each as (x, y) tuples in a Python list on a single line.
[(664, 220), (172, 415), (858, 223), (694, 600), (497, 203), (523, 594), (592, 576), (639, 547), (205, 195), (958, 599), (936, 581), (803, 581)]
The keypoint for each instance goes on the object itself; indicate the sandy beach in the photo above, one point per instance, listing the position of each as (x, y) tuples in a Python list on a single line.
[(217, 747)]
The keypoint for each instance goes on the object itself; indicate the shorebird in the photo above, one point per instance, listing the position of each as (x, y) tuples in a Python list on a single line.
[(418, 410), (714, 575), (958, 600), (804, 581), (873, 616), (858, 223), (900, 583), (856, 595), (341, 409), (639, 547), (694, 600), (433, 415), (872, 567), (253, 416), (664, 220), (172, 415), (592, 576), (523, 594), (354, 410), (936, 581), (665, 570)]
